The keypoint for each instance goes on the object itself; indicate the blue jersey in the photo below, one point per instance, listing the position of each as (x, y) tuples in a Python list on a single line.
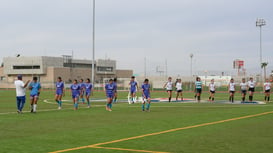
[(36, 86), (88, 87), (59, 88), (146, 90), (82, 86), (133, 86), (110, 90), (116, 86), (75, 89)]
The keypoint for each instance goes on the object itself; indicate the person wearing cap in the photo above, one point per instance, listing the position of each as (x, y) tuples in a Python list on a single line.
[(35, 88), (20, 93)]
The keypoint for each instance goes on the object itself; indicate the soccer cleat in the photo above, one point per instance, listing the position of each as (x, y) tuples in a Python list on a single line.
[(59, 108)]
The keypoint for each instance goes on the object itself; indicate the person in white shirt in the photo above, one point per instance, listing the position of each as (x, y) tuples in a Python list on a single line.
[(212, 89), (231, 89), (243, 86), (251, 88), (169, 87), (20, 93), (267, 87), (179, 89)]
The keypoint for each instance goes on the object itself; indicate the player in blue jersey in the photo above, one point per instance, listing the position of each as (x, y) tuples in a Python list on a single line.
[(116, 92), (59, 92), (133, 89), (75, 92), (146, 95), (198, 88), (35, 88), (82, 90), (110, 92), (88, 91)]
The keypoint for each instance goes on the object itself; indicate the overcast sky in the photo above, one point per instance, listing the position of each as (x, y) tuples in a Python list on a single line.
[(165, 32)]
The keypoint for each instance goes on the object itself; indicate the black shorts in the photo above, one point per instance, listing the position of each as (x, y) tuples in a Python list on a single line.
[(169, 90), (198, 90), (251, 89), (267, 91), (232, 92), (243, 92), (212, 91), (179, 91)]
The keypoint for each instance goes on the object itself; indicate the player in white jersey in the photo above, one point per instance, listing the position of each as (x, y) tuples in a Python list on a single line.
[(267, 87), (212, 89), (251, 88), (169, 87), (179, 89), (231, 89), (243, 86)]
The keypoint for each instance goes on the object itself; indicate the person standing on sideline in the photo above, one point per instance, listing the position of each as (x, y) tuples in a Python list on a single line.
[(169, 87), (109, 91), (116, 92), (243, 86), (251, 88), (212, 89), (146, 95), (231, 89), (20, 93), (133, 89), (179, 89), (59, 92), (198, 88), (35, 88), (88, 91), (75, 93), (267, 87)]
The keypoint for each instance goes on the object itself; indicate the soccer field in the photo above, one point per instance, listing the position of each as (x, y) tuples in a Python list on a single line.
[(176, 127)]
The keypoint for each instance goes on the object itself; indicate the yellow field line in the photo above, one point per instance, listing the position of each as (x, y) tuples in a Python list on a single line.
[(123, 149), (162, 132)]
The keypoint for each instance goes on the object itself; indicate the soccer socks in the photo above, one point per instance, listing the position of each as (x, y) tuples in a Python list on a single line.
[(250, 98), (34, 107), (60, 103), (212, 99), (76, 105), (110, 105), (209, 98), (170, 99), (198, 98), (143, 107), (148, 106)]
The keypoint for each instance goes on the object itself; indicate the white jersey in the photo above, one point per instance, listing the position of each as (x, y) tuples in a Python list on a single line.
[(20, 90), (267, 86), (251, 84), (231, 86), (178, 86), (169, 86), (243, 85), (212, 87)]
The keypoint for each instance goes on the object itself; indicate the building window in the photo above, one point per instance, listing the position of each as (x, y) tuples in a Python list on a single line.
[(16, 67), (105, 69)]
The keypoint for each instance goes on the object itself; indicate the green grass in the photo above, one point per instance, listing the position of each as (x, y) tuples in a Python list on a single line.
[(51, 129)]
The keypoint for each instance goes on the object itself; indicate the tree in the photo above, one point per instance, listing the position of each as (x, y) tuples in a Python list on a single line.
[(263, 66)]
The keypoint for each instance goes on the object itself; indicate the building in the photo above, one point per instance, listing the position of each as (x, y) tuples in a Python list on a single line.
[(47, 69)]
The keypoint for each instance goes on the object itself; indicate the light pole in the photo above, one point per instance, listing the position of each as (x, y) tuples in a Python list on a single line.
[(93, 49), (191, 56), (259, 23)]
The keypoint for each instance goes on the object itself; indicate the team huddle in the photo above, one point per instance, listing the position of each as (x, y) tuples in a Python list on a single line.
[(81, 91)]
